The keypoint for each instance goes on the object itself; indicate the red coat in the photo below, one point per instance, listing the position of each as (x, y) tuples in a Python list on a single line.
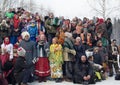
[(16, 21)]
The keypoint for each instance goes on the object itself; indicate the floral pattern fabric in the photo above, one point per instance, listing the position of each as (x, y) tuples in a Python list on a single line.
[(56, 61)]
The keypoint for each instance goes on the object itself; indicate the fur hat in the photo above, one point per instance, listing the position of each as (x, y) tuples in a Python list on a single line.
[(21, 51), (24, 34)]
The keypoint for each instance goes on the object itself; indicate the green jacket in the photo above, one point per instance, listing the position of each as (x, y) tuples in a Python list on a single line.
[(9, 15), (50, 27)]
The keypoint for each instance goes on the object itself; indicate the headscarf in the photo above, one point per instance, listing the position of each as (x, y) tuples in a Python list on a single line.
[(6, 42), (100, 20)]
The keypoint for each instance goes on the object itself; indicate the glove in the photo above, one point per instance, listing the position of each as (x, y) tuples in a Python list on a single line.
[(100, 67), (73, 52), (47, 50), (35, 60)]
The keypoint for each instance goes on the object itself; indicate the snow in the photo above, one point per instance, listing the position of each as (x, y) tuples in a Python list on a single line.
[(109, 81)]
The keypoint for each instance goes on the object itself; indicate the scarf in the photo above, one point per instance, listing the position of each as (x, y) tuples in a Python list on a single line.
[(6, 42)]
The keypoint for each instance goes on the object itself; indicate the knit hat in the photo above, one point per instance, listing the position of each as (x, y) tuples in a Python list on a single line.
[(24, 34), (21, 51)]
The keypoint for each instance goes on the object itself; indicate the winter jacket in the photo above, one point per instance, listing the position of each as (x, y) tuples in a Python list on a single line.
[(21, 65), (81, 70), (50, 28), (33, 31)]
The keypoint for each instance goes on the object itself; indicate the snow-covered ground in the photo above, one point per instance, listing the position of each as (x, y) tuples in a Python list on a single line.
[(109, 81)]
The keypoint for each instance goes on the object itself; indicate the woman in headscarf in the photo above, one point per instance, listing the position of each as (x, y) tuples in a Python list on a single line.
[(6, 51), (6, 60), (42, 68)]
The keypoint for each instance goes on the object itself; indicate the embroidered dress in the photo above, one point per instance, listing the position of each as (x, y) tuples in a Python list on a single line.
[(42, 67), (56, 61)]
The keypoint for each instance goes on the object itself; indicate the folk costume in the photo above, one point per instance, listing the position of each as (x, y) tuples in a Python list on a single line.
[(56, 61), (42, 68)]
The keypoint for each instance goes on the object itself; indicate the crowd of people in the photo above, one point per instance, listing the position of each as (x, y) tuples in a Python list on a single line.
[(55, 48)]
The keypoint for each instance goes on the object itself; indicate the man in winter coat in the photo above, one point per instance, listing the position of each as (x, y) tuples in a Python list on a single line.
[(51, 28), (83, 72), (68, 56)]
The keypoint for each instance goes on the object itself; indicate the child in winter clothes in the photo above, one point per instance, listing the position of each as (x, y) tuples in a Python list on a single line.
[(97, 68)]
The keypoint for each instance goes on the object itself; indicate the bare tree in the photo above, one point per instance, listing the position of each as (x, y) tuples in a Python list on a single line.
[(102, 7), (42, 10), (3, 7), (6, 4), (30, 5)]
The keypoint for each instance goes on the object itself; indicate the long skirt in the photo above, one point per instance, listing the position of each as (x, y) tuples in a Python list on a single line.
[(42, 67), (3, 81), (56, 70), (4, 58)]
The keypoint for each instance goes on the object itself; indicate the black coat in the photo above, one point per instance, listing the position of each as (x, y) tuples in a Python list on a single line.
[(79, 51), (97, 58), (81, 70), (20, 67)]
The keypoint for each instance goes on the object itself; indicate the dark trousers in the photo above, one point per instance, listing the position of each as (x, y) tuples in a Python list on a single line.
[(78, 79), (50, 37), (114, 63), (23, 76), (26, 75), (68, 69)]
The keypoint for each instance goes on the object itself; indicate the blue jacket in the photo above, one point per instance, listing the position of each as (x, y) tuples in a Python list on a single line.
[(33, 31)]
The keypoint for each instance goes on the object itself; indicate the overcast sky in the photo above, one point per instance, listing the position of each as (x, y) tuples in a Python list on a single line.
[(72, 8), (68, 8)]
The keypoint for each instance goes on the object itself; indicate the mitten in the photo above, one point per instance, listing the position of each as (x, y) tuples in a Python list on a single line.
[(34, 60)]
